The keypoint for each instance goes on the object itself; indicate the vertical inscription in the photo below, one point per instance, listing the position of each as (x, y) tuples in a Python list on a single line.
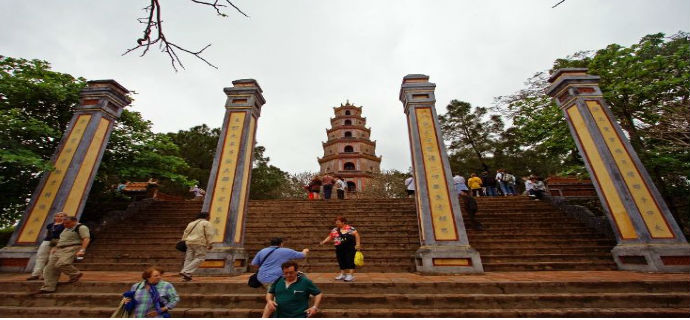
[(613, 200), (645, 202), (437, 187), (222, 192), (39, 212), (84, 176)]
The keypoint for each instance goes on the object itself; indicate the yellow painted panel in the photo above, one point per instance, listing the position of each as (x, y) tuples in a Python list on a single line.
[(645, 202), (249, 149), (39, 212), (437, 187), (222, 191), (615, 204), (86, 168), (449, 262), (213, 264)]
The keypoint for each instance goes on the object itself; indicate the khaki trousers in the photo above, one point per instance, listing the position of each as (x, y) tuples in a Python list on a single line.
[(41, 258), (196, 254), (59, 262)]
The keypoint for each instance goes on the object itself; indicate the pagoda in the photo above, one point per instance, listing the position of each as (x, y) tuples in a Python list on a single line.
[(349, 152)]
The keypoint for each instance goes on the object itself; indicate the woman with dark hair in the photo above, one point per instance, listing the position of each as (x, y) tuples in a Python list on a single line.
[(154, 297), (347, 243)]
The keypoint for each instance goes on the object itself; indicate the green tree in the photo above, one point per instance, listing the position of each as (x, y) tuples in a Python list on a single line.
[(198, 147), (35, 106), (646, 87), (268, 181), (470, 133)]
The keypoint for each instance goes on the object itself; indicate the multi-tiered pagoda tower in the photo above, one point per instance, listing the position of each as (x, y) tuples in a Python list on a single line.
[(349, 152)]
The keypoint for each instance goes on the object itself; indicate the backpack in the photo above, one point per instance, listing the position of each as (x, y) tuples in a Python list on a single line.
[(507, 177)]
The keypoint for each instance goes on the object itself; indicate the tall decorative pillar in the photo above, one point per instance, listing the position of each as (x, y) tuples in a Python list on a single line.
[(76, 162), (228, 185), (444, 245), (648, 237)]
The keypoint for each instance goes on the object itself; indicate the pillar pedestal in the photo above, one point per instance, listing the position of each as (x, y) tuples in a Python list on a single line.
[(648, 236), (444, 245)]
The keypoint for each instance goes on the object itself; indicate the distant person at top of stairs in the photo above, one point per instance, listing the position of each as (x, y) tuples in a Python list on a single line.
[(154, 296), (475, 184), (270, 259), (73, 242), (409, 185), (198, 193), (535, 188), (314, 187), (53, 231), (459, 183), (347, 242), (327, 182), (340, 186), (197, 236)]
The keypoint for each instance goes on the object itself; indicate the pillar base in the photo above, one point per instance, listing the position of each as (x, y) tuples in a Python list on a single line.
[(224, 261), (653, 257), (448, 259), (17, 259)]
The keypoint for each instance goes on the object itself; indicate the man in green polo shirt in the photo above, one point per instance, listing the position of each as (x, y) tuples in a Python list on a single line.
[(291, 293)]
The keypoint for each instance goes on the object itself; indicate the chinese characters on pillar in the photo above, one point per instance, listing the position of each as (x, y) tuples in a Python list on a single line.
[(437, 186), (220, 203)]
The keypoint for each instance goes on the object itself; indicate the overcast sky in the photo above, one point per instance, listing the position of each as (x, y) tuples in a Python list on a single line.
[(310, 56)]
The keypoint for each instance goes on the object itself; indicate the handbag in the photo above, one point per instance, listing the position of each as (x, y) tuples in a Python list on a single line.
[(359, 259), (182, 244), (254, 278), (120, 312)]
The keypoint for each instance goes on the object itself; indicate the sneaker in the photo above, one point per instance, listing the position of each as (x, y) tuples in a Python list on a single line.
[(32, 278), (349, 278), (340, 277), (186, 277)]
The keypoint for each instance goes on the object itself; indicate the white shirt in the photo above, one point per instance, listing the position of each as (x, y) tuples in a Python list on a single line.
[(409, 182)]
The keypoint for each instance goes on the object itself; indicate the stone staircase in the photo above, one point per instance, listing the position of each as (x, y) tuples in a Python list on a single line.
[(518, 235), (499, 294), (522, 240)]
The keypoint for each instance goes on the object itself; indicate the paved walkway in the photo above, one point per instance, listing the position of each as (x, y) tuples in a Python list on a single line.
[(488, 277)]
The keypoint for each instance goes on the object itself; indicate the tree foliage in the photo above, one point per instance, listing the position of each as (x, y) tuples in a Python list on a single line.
[(36, 105)]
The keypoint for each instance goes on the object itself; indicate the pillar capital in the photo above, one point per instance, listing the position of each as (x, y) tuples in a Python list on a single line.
[(416, 90), (104, 95), (245, 93), (568, 83)]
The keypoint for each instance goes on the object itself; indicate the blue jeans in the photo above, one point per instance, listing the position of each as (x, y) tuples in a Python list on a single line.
[(491, 191), (504, 188)]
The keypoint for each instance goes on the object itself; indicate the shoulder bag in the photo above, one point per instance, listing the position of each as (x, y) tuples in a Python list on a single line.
[(182, 244), (254, 278)]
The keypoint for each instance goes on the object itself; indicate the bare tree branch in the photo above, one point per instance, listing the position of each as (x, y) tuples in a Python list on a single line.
[(556, 5), (153, 21)]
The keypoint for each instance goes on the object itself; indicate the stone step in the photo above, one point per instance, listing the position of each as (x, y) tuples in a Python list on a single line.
[(549, 266), (104, 312), (507, 258), (498, 286), (379, 300)]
